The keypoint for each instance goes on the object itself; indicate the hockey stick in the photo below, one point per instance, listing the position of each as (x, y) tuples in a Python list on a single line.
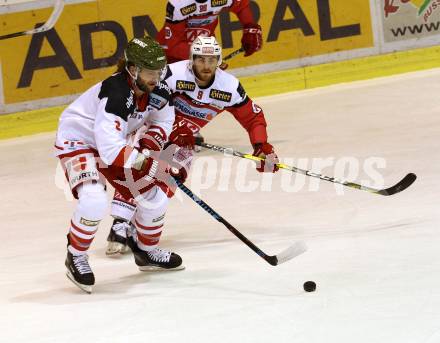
[(398, 187), (296, 249), (58, 8), (233, 54)]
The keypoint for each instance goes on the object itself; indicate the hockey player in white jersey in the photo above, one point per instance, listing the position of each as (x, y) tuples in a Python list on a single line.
[(201, 90), (95, 143)]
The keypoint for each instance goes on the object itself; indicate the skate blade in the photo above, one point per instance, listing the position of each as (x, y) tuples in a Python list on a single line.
[(159, 269), (115, 248), (85, 288)]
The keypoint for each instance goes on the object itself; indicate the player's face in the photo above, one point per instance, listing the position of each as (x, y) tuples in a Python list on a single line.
[(204, 67), (148, 79)]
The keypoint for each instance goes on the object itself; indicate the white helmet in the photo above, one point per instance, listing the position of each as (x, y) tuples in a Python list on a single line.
[(206, 46)]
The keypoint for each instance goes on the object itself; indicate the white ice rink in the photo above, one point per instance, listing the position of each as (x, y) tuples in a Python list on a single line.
[(375, 259)]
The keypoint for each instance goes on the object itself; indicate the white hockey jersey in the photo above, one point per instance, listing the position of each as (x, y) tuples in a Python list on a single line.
[(197, 106), (104, 117)]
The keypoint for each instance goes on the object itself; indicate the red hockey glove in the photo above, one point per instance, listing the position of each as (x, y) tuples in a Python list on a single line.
[(180, 164), (266, 151), (146, 166), (147, 163), (182, 136), (252, 39), (179, 173), (152, 140)]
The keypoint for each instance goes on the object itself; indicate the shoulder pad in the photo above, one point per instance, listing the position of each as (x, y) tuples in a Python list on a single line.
[(180, 9), (170, 11), (119, 94), (168, 72)]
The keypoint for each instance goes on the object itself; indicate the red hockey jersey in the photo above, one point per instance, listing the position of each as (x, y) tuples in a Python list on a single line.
[(188, 19)]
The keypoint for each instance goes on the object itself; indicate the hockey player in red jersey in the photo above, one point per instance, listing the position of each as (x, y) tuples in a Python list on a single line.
[(94, 143), (201, 91), (188, 19)]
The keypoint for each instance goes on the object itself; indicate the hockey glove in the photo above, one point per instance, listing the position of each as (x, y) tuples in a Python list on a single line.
[(179, 173), (252, 39), (146, 166), (266, 151), (182, 136), (152, 140)]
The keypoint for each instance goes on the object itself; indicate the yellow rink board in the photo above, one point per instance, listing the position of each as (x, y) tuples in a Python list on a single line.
[(44, 120), (89, 36)]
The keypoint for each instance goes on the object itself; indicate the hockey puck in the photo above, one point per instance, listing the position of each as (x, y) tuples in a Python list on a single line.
[(309, 286)]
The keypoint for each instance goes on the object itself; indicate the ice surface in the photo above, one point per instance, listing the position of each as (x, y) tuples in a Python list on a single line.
[(375, 259)]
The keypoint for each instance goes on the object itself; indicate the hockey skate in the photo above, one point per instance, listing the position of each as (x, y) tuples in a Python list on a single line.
[(79, 271), (154, 260), (117, 238)]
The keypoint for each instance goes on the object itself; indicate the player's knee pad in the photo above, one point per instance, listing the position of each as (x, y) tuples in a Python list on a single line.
[(92, 202), (152, 207)]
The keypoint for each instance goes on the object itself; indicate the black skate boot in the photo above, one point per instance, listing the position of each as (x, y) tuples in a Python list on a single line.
[(117, 238), (155, 260), (79, 272)]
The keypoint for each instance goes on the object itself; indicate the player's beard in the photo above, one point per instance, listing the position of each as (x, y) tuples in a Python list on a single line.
[(205, 75), (144, 86)]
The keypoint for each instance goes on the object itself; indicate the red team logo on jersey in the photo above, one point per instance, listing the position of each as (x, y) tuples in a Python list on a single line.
[(192, 34), (79, 164), (257, 109)]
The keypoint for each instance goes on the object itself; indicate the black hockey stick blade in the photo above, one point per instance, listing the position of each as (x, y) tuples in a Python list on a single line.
[(403, 184)]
